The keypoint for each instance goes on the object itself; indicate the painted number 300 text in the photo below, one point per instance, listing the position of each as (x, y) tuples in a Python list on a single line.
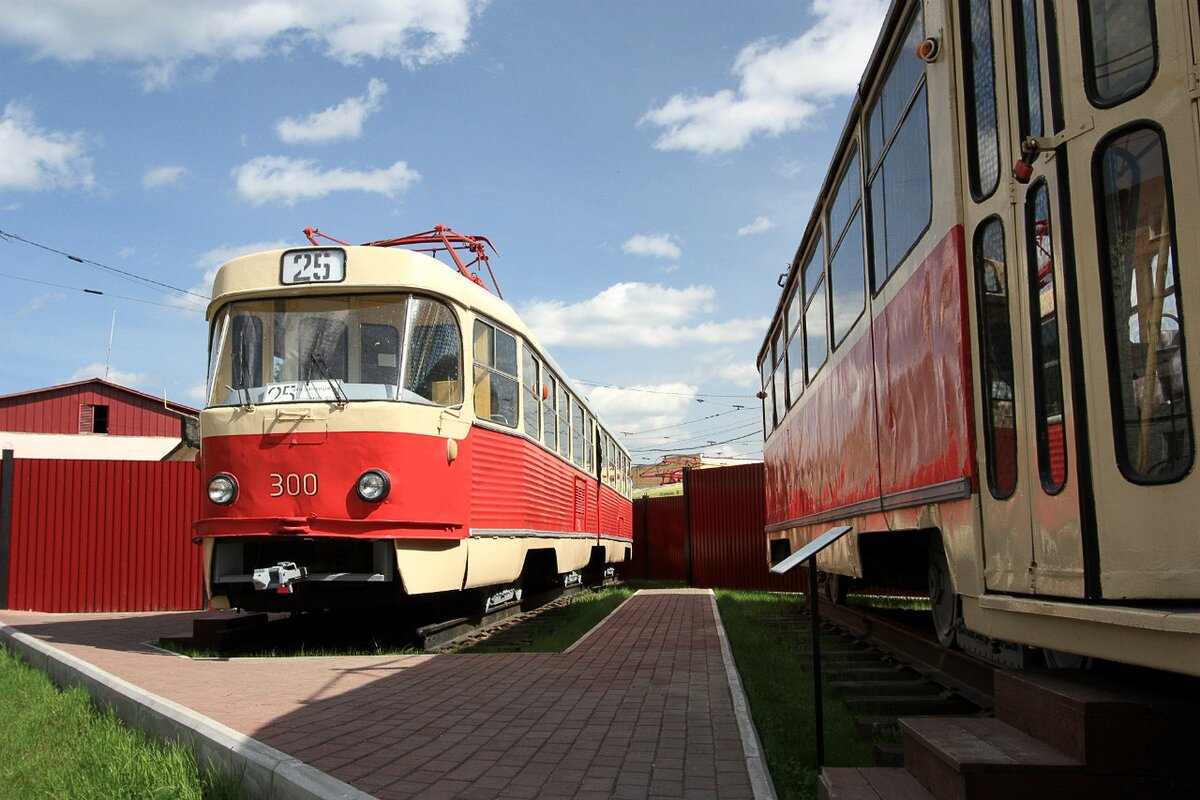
[(293, 485)]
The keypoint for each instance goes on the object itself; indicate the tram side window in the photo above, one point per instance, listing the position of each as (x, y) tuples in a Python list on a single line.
[(576, 432), (531, 384), (433, 356), (589, 445), (564, 422), (768, 399), (779, 376), (795, 346), (1120, 50), (247, 351), (901, 200), (816, 337), (847, 276), (550, 412), (983, 137), (1047, 357), (995, 347), (1151, 406), (495, 375), (1029, 68), (379, 354)]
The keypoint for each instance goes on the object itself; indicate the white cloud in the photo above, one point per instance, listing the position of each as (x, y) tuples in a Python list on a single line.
[(780, 85), (343, 121), (637, 315), (197, 394), (642, 407), (279, 178), (39, 302), (658, 245), (160, 37), (157, 177), (759, 225), (97, 370), (34, 160), (212, 261), (729, 365)]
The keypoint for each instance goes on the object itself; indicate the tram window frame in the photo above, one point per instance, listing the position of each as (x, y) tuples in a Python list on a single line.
[(377, 370), (1039, 345), (840, 235), (564, 422), (418, 306), (779, 375), (1088, 52), (589, 442), (490, 374), (550, 411), (252, 375), (1115, 324), (882, 145), (768, 400), (577, 430), (980, 74), (814, 306), (531, 388), (995, 344)]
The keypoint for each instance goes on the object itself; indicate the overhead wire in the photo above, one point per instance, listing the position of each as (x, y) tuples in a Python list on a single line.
[(125, 274), (192, 309)]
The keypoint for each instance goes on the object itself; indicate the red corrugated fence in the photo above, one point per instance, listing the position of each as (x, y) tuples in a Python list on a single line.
[(712, 536), (104, 536)]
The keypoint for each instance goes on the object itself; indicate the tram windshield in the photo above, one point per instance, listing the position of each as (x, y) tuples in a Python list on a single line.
[(335, 348)]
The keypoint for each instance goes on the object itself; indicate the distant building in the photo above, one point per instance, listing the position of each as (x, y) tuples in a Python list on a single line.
[(670, 469), (95, 419)]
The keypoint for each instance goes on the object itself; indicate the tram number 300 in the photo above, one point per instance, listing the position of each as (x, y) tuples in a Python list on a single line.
[(293, 485)]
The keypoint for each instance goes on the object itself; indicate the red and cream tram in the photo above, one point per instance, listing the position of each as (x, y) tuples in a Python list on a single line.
[(381, 426), (979, 361)]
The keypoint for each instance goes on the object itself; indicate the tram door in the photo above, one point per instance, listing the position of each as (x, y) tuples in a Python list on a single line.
[(1086, 409), (1129, 136), (1020, 246)]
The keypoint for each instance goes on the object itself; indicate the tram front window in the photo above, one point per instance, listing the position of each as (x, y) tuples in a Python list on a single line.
[(335, 348)]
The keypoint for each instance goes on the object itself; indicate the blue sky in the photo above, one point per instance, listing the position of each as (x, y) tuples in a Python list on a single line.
[(645, 170)]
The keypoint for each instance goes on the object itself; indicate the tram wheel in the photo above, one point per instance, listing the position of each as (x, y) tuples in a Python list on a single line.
[(944, 604), (834, 587)]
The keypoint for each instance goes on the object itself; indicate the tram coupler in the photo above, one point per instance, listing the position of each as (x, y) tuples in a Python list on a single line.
[(279, 577)]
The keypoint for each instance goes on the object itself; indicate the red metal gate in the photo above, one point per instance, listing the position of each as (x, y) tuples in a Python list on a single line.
[(89, 536), (712, 536)]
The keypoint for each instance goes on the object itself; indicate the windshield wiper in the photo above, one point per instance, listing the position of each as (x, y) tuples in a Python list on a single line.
[(242, 378), (335, 384)]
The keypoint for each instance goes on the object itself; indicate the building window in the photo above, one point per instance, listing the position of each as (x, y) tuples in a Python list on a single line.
[(1150, 402), (93, 418)]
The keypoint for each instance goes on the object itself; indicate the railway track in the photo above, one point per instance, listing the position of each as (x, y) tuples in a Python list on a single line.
[(884, 667), (419, 630)]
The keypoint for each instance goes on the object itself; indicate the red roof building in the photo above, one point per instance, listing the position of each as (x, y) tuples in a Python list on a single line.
[(95, 419)]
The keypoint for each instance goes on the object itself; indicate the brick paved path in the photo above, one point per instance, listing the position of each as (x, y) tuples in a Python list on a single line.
[(640, 708)]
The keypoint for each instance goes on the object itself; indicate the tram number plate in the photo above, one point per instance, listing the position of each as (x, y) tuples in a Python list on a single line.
[(313, 265), (293, 485)]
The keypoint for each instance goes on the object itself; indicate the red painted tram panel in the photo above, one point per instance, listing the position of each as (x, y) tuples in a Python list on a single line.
[(91, 536)]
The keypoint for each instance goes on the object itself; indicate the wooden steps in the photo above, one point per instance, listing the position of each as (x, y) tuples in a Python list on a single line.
[(1057, 734)]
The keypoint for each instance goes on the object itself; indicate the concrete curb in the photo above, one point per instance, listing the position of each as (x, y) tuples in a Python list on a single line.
[(756, 761), (264, 771)]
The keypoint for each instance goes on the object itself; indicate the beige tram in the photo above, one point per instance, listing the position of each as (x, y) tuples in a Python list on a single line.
[(979, 360)]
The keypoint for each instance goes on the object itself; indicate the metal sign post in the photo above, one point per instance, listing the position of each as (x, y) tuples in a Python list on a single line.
[(808, 554)]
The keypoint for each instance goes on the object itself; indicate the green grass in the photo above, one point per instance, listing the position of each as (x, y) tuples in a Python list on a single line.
[(56, 744), (775, 667)]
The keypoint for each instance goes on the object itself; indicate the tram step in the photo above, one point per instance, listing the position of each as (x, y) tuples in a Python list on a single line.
[(1114, 728), (907, 687), (889, 754), (852, 673), (908, 705), (973, 758), (883, 726), (879, 783)]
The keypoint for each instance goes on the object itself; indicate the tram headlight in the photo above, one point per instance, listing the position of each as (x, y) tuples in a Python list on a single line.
[(373, 485), (222, 489)]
